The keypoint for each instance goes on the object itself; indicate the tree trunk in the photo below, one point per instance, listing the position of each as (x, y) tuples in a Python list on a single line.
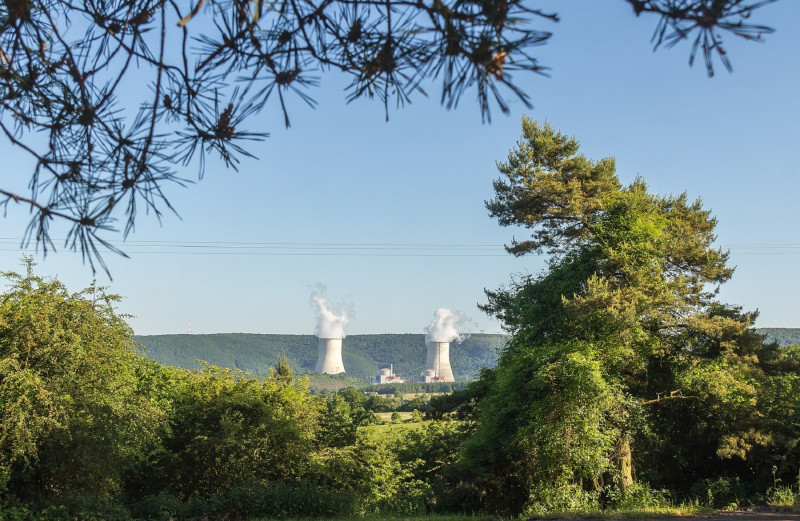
[(625, 464)]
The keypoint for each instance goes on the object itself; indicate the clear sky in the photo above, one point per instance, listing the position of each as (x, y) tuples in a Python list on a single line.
[(390, 216)]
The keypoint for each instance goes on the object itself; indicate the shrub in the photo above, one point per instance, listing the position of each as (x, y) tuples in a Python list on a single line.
[(640, 496), (281, 500), (719, 492), (69, 507), (567, 498)]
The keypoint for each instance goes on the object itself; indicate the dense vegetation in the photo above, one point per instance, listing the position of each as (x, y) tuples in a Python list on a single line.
[(623, 371), (363, 355), (624, 384), (92, 429)]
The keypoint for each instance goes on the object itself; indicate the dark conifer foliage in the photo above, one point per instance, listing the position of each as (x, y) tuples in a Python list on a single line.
[(111, 98)]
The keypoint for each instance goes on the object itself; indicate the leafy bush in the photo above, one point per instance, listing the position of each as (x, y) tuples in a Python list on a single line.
[(73, 418), (228, 429), (280, 500), (566, 499), (782, 497), (719, 492), (69, 507), (85, 507), (158, 507), (273, 500), (640, 497), (11, 509)]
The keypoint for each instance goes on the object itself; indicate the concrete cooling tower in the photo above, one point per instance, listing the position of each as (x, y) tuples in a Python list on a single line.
[(329, 359), (438, 360)]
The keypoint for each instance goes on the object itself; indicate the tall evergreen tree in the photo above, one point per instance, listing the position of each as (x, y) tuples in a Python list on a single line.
[(615, 342)]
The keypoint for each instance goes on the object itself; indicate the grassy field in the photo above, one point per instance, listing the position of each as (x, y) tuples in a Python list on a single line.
[(386, 417), (390, 431)]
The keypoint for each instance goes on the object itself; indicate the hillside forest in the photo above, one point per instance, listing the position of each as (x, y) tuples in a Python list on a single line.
[(623, 385), (363, 355)]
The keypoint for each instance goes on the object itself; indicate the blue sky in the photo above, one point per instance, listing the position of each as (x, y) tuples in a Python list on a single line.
[(390, 216)]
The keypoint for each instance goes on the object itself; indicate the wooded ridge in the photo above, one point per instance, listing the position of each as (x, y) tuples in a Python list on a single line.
[(363, 355)]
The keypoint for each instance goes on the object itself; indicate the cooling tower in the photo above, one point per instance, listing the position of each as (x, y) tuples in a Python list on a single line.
[(438, 360), (329, 359)]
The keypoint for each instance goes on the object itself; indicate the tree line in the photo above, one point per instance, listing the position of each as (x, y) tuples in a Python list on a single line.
[(784, 336)]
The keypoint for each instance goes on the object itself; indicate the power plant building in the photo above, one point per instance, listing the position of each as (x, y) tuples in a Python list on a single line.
[(387, 376), (428, 375)]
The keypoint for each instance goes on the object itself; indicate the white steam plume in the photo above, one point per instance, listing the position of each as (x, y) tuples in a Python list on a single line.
[(444, 327), (331, 318)]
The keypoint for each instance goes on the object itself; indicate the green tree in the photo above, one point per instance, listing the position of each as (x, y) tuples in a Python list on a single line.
[(378, 403), (213, 65), (357, 401), (72, 419), (228, 429), (338, 425), (621, 327), (370, 469), (430, 454)]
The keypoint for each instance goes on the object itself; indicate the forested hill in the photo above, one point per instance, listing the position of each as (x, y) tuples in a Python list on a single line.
[(363, 355), (784, 336)]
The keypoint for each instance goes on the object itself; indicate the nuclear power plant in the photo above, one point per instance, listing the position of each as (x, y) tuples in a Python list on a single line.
[(438, 361), (329, 359), (331, 320), (387, 376)]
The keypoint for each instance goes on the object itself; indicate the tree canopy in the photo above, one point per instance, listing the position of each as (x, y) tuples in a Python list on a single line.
[(72, 414), (211, 66), (619, 352)]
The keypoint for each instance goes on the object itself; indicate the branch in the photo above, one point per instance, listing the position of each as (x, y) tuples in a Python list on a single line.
[(673, 395)]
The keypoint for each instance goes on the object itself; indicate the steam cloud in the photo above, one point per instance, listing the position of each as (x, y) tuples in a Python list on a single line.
[(444, 326), (331, 318)]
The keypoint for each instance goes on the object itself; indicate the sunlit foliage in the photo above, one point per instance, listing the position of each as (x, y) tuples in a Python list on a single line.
[(621, 362)]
